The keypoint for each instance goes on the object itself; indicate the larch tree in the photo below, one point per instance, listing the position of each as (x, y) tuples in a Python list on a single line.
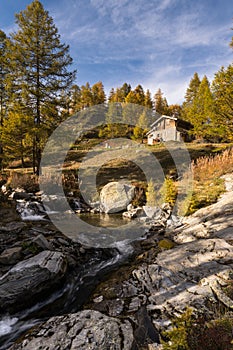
[(98, 94), (39, 73)]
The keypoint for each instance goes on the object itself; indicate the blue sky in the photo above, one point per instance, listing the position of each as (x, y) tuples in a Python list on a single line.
[(156, 43)]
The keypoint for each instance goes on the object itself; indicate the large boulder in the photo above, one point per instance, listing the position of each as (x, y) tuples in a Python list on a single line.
[(116, 196), (31, 278), (84, 330)]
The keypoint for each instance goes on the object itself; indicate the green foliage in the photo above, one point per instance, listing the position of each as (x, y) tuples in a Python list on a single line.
[(178, 335), (189, 333), (222, 88), (192, 90), (160, 103), (38, 72), (200, 110), (169, 191), (3, 71), (15, 136)]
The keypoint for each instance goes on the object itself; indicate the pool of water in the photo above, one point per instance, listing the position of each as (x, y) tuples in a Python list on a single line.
[(104, 220)]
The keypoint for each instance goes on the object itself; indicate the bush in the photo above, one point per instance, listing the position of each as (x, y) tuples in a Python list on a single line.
[(189, 333), (169, 191)]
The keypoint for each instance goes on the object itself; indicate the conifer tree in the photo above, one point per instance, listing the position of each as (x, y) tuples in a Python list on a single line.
[(201, 113), (160, 103), (148, 101), (3, 94), (222, 88), (38, 71), (141, 127), (190, 95), (16, 137), (98, 94), (192, 89)]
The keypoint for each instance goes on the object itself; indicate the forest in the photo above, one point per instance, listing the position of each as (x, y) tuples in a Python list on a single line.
[(38, 91)]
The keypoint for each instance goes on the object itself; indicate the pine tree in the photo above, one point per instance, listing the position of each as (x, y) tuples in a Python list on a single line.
[(148, 101), (192, 89), (3, 94), (16, 138), (191, 93), (111, 97), (222, 88), (201, 113), (125, 90), (38, 71), (75, 99), (140, 95), (160, 103)]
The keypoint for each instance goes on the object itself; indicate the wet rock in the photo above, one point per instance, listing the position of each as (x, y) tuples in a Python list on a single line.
[(84, 330), (116, 196), (22, 195), (30, 278)]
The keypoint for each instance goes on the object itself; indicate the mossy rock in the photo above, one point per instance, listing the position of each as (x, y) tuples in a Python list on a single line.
[(166, 244)]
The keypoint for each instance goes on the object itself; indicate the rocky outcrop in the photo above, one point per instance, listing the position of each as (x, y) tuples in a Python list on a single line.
[(116, 196), (194, 273), (83, 330), (30, 278)]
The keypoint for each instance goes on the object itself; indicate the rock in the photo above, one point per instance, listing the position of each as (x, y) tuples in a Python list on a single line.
[(152, 212), (10, 256), (116, 196), (22, 195), (42, 242), (84, 330), (13, 227), (132, 213), (29, 279)]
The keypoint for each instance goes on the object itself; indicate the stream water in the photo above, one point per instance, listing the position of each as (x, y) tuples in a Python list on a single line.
[(77, 286)]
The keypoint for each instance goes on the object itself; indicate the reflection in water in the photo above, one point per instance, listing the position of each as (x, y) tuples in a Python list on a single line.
[(104, 220)]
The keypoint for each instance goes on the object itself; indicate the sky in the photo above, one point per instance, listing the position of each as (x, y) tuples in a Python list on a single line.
[(155, 43)]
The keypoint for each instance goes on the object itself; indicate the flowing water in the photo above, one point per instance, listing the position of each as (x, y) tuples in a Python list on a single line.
[(78, 285)]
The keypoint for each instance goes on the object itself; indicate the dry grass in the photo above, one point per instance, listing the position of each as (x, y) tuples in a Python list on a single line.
[(207, 168), (208, 185)]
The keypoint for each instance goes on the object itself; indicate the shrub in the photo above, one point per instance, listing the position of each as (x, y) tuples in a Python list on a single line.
[(151, 194), (189, 333), (169, 191)]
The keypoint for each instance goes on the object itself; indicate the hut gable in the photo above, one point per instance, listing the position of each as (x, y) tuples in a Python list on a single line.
[(168, 128)]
